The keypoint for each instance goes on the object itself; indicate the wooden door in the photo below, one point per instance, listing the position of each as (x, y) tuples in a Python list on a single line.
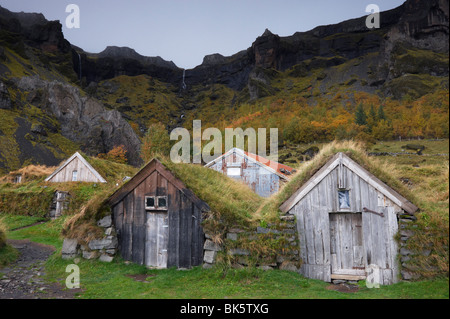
[(346, 246), (157, 239)]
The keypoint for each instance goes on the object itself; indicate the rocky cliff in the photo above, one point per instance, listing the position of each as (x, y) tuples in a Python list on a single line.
[(59, 98)]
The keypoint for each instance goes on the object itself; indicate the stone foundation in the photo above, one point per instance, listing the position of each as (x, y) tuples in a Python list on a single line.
[(103, 249), (286, 257)]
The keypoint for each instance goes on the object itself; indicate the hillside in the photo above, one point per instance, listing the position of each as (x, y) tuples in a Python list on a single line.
[(56, 98)]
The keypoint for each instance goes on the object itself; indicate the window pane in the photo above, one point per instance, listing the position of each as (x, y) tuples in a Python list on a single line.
[(149, 202), (74, 176), (162, 202), (344, 199), (233, 171)]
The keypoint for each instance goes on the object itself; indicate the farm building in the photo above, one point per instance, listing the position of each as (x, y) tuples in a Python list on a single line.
[(347, 219), (158, 219), (75, 169), (263, 176)]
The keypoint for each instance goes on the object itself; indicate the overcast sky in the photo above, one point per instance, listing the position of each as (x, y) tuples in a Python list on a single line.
[(184, 31)]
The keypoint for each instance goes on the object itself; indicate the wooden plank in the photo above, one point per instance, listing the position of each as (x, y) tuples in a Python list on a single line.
[(377, 230), (118, 223), (358, 251), (392, 230), (324, 220), (347, 277), (346, 240), (299, 214), (151, 241), (316, 227), (128, 228), (366, 222), (185, 232), (196, 250), (309, 231), (338, 244), (161, 186), (138, 243), (139, 228), (162, 239), (174, 225), (388, 278)]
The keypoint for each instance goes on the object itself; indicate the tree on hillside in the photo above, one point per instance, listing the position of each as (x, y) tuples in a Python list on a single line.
[(360, 115), (381, 115), (155, 141), (116, 154), (371, 118)]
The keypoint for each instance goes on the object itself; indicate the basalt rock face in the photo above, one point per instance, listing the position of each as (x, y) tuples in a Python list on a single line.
[(35, 30), (116, 61), (82, 119), (422, 24)]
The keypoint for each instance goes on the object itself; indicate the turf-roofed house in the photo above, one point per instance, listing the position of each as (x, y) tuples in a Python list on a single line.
[(158, 219), (263, 176), (347, 220), (75, 169)]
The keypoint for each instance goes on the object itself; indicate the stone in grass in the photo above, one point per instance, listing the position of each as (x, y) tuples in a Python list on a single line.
[(109, 242), (106, 258), (232, 236), (90, 254), (105, 222), (210, 256), (69, 249), (210, 245), (207, 266), (265, 267), (287, 265)]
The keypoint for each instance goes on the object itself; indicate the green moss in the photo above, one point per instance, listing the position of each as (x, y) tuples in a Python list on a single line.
[(34, 202), (414, 85)]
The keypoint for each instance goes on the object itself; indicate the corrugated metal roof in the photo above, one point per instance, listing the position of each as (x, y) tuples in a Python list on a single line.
[(278, 167)]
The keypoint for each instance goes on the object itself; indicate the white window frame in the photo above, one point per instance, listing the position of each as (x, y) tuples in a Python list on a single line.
[(150, 207), (339, 202), (75, 176), (156, 201)]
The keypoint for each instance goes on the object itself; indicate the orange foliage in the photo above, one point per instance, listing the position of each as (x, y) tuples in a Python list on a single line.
[(116, 154)]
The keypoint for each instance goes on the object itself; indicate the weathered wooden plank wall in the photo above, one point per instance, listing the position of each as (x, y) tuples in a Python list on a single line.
[(83, 173), (159, 238), (262, 181), (322, 244)]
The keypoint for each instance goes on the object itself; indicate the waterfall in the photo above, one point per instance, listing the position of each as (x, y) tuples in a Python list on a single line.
[(79, 64), (183, 85)]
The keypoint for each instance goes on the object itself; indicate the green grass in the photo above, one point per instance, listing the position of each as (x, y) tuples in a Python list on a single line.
[(110, 281), (16, 221), (48, 233), (8, 254)]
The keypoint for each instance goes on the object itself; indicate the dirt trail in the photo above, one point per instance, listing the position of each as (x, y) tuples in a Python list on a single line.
[(24, 279)]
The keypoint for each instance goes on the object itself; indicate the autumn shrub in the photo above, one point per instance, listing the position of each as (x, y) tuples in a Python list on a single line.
[(117, 154)]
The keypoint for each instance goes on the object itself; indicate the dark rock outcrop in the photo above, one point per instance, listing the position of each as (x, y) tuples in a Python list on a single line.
[(83, 119)]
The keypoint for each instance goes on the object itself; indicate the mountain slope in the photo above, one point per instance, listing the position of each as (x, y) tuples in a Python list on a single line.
[(56, 98), (45, 116)]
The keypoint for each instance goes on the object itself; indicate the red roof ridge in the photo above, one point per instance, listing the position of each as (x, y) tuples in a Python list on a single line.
[(278, 167)]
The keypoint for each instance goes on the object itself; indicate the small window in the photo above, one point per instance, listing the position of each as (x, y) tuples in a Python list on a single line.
[(156, 202), (150, 202), (162, 202), (344, 199), (74, 176), (233, 171)]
